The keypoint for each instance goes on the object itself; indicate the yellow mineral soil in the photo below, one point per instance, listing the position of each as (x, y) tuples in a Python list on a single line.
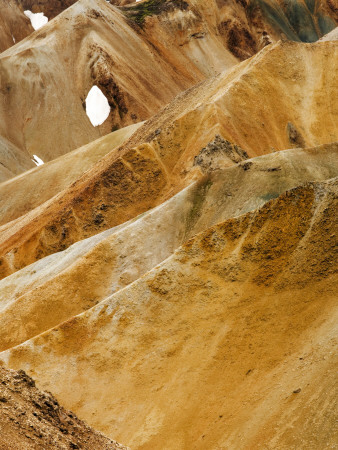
[(228, 343), (37, 297), (34, 187), (140, 55), (283, 97)]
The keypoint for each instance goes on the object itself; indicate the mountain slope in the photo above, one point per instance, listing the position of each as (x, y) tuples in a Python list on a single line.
[(14, 25), (168, 46), (282, 97), (32, 188), (13, 161), (49, 74), (36, 298), (171, 274), (227, 341), (31, 419)]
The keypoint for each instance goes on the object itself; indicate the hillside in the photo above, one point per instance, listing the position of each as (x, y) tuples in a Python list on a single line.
[(252, 298), (157, 161), (168, 224), (31, 419)]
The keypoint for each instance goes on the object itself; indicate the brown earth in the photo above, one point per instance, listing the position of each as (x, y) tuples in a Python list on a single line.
[(168, 46), (228, 341), (14, 25), (36, 298), (32, 419), (49, 74), (246, 25), (158, 159), (173, 282), (52, 8)]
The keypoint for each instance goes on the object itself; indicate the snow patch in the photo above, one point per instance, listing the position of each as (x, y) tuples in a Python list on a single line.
[(97, 106), (38, 161), (38, 20)]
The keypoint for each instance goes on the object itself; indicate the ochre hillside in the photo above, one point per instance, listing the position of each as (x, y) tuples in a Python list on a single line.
[(168, 46), (45, 78), (31, 419), (227, 341), (246, 106), (168, 272), (37, 298)]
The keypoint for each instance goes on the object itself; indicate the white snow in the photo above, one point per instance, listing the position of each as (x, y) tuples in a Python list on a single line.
[(38, 20), (38, 161), (97, 106)]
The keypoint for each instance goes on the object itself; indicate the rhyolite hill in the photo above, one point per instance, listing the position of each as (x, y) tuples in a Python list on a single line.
[(170, 276)]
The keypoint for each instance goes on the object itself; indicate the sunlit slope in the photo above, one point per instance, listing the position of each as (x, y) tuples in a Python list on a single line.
[(45, 78), (37, 297), (32, 188), (207, 349), (281, 98), (167, 46)]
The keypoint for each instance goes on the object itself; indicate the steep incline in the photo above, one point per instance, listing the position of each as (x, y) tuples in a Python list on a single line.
[(245, 26), (13, 161), (32, 188), (140, 55), (14, 25), (282, 97), (32, 420), (229, 340), (332, 36), (304, 20), (45, 79), (52, 8), (36, 298)]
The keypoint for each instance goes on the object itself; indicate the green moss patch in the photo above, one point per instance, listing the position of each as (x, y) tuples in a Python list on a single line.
[(140, 11)]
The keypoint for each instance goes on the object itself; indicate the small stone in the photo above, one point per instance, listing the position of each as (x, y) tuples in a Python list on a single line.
[(297, 391)]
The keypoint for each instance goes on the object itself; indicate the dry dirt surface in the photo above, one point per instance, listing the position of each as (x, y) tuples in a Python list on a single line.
[(282, 97), (140, 55), (14, 25), (223, 345), (36, 298), (31, 419), (169, 276)]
